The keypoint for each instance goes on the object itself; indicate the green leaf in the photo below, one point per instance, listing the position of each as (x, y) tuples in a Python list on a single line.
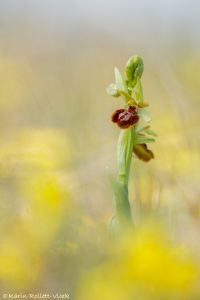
[(112, 90), (121, 202), (144, 114)]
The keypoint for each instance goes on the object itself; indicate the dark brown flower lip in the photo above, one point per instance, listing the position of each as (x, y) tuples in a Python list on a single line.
[(142, 152), (125, 117)]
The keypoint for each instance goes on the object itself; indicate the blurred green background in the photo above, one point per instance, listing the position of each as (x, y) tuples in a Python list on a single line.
[(57, 143)]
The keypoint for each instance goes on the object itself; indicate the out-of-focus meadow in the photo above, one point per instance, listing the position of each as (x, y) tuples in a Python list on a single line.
[(57, 147)]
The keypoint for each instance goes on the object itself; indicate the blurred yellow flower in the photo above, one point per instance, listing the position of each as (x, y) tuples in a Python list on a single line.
[(34, 149), (143, 266), (30, 164)]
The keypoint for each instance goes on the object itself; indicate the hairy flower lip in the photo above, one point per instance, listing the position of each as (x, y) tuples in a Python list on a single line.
[(125, 117), (116, 114)]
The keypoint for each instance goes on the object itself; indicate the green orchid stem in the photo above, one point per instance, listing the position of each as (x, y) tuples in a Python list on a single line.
[(124, 155)]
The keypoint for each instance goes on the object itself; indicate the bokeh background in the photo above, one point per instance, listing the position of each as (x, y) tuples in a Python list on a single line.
[(57, 144)]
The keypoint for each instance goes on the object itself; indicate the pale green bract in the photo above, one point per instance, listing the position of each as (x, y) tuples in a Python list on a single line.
[(124, 153), (151, 132), (144, 114), (138, 91), (142, 139), (121, 85)]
